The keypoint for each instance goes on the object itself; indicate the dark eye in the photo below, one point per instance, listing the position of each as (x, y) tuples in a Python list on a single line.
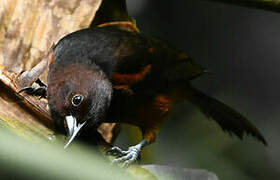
[(77, 99)]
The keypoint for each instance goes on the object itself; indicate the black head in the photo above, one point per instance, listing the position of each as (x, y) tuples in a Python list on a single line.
[(78, 96)]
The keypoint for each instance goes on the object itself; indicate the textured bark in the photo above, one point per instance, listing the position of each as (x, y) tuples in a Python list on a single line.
[(271, 5), (27, 30)]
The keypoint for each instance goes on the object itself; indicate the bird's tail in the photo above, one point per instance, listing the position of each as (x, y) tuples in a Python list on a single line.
[(229, 119)]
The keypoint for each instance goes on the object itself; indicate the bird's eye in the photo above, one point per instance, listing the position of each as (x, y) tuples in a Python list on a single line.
[(77, 99)]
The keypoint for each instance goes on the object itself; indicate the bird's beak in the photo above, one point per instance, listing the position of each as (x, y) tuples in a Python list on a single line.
[(73, 128)]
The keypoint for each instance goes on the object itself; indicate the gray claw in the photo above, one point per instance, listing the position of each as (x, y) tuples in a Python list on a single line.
[(121, 159), (116, 151), (128, 157)]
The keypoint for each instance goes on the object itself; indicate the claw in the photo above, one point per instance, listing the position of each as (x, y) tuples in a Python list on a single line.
[(125, 157), (130, 161), (27, 89), (37, 91), (116, 151), (40, 83), (122, 159), (132, 155)]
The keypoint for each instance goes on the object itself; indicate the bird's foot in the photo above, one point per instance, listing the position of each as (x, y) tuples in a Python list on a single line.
[(126, 158), (36, 91)]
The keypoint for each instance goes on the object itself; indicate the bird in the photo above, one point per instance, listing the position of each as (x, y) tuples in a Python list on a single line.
[(111, 72)]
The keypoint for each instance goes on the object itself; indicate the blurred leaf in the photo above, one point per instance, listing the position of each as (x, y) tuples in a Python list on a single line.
[(21, 159)]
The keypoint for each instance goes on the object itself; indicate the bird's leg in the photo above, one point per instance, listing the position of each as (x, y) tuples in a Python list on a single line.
[(36, 91), (130, 156), (27, 78)]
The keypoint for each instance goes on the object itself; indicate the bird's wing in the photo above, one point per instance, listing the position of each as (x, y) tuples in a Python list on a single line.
[(153, 59), (111, 11), (138, 56)]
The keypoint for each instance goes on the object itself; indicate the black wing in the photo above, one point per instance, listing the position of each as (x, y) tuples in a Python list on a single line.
[(111, 11)]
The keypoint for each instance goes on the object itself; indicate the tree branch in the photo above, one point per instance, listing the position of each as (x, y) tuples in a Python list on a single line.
[(270, 5)]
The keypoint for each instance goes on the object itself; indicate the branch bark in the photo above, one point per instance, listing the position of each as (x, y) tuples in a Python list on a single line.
[(270, 5)]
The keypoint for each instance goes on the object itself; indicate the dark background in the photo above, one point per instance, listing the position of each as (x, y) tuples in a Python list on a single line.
[(240, 47)]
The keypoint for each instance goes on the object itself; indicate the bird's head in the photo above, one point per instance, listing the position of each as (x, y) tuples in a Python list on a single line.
[(78, 96)]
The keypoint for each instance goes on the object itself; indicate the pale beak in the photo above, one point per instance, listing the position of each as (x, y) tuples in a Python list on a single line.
[(73, 128)]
